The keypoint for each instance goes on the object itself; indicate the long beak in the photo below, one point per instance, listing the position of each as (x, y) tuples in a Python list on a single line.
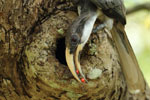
[(77, 60), (71, 65), (74, 63)]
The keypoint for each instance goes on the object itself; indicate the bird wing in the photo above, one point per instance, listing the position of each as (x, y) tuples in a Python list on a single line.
[(112, 8)]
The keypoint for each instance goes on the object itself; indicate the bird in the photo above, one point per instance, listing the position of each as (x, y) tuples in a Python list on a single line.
[(77, 36), (112, 14)]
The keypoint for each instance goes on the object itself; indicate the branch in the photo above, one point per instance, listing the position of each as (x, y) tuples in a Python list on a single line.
[(144, 6)]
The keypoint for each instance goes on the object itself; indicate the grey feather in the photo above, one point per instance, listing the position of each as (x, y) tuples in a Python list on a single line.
[(112, 8)]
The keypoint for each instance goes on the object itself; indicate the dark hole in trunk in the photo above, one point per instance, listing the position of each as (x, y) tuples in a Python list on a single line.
[(60, 50)]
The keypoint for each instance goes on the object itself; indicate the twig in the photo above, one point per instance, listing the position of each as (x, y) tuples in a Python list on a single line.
[(144, 6)]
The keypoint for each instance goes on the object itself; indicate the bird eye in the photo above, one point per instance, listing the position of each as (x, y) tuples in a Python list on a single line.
[(74, 39)]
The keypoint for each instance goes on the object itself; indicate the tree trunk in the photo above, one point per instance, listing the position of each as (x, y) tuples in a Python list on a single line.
[(32, 57)]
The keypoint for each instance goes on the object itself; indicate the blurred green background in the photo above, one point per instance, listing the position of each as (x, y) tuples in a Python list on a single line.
[(138, 31)]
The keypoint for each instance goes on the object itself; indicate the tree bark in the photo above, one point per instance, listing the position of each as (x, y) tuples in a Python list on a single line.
[(32, 57)]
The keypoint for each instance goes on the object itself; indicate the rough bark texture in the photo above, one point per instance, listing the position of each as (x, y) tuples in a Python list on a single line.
[(32, 62)]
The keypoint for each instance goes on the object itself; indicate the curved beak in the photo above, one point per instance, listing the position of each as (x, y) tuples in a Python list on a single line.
[(70, 63), (74, 63), (77, 60)]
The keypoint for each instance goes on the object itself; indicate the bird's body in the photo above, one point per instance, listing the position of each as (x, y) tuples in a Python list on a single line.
[(112, 8), (111, 12)]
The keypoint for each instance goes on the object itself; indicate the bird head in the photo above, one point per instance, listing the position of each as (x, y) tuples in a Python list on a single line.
[(76, 38)]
